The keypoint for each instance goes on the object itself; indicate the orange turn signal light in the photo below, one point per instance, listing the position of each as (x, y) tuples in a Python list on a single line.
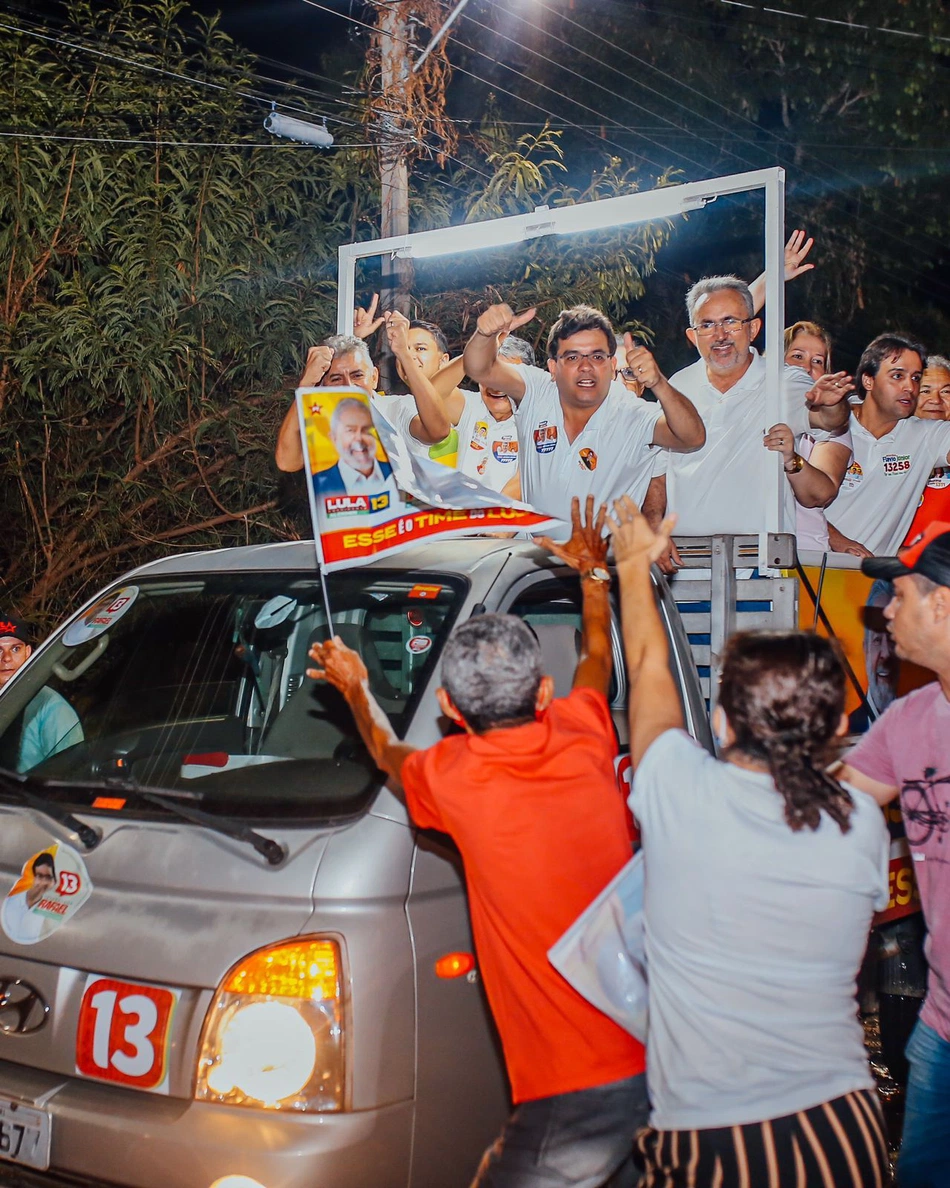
[(308, 969), (455, 965)]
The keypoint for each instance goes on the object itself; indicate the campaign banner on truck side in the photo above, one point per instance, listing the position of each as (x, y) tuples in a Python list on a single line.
[(370, 495), (855, 606)]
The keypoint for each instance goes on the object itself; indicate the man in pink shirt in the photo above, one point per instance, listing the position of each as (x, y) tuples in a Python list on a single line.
[(906, 753)]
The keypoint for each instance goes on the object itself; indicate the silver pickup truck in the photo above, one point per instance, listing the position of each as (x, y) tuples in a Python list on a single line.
[(226, 957)]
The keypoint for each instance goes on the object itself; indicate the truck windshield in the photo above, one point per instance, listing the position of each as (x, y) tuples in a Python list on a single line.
[(198, 686)]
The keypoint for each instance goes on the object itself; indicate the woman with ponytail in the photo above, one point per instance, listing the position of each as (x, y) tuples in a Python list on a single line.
[(762, 875)]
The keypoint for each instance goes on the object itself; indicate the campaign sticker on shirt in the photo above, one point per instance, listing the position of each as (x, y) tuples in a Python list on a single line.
[(587, 458), (896, 464), (100, 617), (417, 644), (482, 467), (506, 450), (52, 887), (853, 476), (545, 438), (479, 436), (939, 479)]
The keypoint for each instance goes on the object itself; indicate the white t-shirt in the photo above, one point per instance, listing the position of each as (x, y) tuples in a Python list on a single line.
[(722, 487), (754, 937), (399, 411), (609, 458), (882, 487), (811, 524), (488, 449)]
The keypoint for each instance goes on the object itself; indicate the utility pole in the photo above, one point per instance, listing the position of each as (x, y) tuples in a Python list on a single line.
[(394, 136)]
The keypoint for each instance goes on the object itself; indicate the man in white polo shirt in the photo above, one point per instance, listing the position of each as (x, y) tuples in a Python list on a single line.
[(581, 432), (894, 451), (721, 488)]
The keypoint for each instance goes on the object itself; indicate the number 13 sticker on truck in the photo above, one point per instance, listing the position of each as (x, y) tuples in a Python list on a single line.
[(124, 1031)]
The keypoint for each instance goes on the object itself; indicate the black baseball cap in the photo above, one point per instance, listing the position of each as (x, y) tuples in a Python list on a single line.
[(10, 625), (928, 555)]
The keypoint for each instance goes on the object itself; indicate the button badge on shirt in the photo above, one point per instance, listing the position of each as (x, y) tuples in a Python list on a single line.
[(545, 438), (853, 476), (587, 458)]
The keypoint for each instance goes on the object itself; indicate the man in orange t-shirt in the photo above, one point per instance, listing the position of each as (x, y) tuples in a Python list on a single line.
[(529, 795)]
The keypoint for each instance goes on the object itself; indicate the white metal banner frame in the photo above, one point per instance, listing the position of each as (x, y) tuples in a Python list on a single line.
[(664, 202)]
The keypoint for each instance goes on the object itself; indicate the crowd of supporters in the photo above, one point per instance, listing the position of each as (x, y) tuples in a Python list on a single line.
[(866, 459), (757, 1070)]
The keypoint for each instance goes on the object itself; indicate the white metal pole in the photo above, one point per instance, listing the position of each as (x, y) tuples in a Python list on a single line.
[(774, 355)]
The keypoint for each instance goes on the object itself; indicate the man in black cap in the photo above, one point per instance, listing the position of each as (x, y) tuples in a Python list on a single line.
[(906, 753), (48, 724)]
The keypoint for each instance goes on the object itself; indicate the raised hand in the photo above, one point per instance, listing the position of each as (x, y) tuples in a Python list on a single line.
[(830, 389), (587, 548), (338, 665), (781, 440), (641, 363), (796, 250), (633, 538), (498, 319), (318, 363), (364, 321), (397, 331)]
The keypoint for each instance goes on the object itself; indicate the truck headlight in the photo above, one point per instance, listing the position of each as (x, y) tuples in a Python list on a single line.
[(273, 1038)]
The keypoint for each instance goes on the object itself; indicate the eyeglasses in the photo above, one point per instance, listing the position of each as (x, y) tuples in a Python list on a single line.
[(572, 358), (730, 325), (628, 373)]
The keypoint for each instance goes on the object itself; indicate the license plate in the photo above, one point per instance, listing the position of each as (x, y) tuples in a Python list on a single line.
[(24, 1134)]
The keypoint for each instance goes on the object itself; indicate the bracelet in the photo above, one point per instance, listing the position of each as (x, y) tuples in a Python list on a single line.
[(797, 463)]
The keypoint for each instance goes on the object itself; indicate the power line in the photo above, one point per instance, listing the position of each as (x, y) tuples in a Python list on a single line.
[(898, 238), (495, 86), (149, 67), (837, 21), (170, 143)]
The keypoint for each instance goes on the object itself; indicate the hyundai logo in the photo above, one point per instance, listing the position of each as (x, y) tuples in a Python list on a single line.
[(23, 1009)]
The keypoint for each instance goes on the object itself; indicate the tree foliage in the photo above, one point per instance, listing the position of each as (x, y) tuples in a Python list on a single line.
[(155, 294)]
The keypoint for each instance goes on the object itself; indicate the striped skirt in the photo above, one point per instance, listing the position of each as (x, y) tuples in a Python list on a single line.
[(839, 1144)]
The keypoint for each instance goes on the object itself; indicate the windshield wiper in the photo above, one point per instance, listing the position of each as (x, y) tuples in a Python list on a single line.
[(269, 849), (19, 785)]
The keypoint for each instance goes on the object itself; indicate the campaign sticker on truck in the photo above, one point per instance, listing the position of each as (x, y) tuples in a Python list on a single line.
[(52, 887), (418, 644), (123, 1032), (100, 617)]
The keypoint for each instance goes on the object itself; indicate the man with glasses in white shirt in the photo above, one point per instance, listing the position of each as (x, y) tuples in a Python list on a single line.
[(721, 487), (581, 432)]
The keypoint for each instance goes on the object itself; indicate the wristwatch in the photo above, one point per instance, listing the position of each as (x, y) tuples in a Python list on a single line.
[(796, 464), (598, 574)]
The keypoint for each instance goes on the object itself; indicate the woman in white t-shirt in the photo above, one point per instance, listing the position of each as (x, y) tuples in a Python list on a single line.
[(762, 875)]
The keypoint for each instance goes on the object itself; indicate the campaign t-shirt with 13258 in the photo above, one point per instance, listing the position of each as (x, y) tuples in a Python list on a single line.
[(537, 815), (883, 484)]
